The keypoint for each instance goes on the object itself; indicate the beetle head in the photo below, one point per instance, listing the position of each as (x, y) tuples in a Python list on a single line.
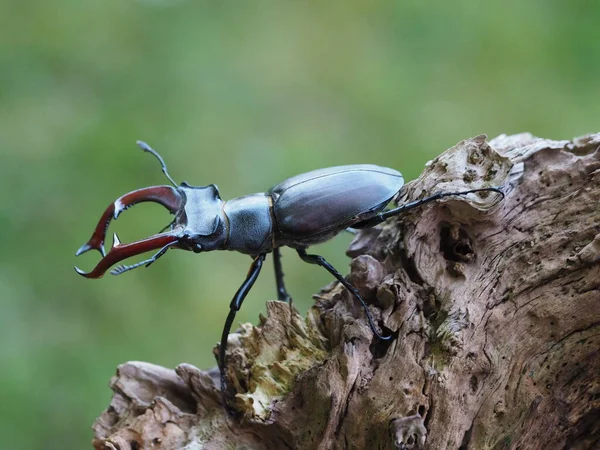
[(199, 224)]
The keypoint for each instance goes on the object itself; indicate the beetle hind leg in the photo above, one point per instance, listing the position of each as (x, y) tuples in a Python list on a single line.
[(383, 216), (319, 260)]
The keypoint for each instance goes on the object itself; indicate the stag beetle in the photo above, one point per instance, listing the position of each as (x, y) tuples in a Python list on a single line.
[(304, 210)]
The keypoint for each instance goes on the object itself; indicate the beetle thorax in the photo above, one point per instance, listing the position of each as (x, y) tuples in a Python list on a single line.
[(250, 224)]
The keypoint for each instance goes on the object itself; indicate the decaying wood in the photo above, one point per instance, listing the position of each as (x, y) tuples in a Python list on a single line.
[(494, 307)]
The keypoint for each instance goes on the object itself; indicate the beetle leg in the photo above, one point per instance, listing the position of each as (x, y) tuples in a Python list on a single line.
[(316, 259), (282, 294), (234, 307), (167, 196), (119, 252), (381, 217), (169, 226), (147, 262)]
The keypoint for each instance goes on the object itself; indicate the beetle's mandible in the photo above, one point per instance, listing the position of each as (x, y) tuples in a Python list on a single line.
[(304, 210)]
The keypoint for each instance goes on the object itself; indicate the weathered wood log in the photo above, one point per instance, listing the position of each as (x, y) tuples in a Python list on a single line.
[(494, 307)]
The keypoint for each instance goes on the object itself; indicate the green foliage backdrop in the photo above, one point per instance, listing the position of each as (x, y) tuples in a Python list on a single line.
[(242, 94)]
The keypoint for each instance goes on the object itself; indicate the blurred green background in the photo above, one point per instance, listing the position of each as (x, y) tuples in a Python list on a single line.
[(242, 94)]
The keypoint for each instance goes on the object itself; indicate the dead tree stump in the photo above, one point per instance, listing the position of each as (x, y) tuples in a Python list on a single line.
[(494, 307)]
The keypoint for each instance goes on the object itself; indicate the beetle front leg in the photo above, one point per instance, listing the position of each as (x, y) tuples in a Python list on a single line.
[(234, 307), (319, 260), (282, 294)]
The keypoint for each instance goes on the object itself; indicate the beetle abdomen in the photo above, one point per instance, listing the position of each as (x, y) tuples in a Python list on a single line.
[(314, 206)]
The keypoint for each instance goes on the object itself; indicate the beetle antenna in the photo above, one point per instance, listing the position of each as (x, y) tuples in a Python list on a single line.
[(145, 147)]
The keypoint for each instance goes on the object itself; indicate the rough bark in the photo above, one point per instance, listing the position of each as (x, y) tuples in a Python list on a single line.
[(494, 307)]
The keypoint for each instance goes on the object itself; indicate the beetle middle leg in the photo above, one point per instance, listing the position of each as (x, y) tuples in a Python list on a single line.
[(319, 260), (282, 294), (234, 307)]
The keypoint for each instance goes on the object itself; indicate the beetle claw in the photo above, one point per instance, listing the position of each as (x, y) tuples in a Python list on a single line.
[(119, 207), (90, 246), (79, 271), (119, 252), (167, 196)]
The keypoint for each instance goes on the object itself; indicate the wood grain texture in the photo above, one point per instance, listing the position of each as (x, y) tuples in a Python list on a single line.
[(494, 307)]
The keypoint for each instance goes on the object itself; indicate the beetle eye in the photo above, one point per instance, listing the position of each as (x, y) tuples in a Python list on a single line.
[(197, 248)]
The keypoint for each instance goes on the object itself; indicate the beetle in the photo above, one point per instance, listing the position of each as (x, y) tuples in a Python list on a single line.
[(299, 212)]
